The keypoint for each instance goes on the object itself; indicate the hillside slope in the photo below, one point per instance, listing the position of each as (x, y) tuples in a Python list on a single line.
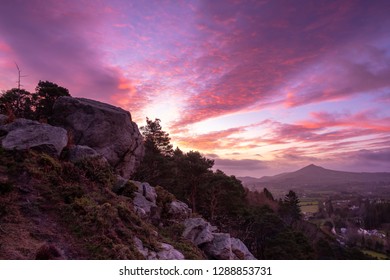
[(56, 209)]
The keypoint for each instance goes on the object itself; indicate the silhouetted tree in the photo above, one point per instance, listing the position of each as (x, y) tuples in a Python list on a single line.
[(39, 105), (220, 196), (192, 169), (156, 140), (157, 164), (46, 93), (289, 209), (17, 103)]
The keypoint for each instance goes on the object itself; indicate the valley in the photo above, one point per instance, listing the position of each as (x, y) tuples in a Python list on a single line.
[(353, 208)]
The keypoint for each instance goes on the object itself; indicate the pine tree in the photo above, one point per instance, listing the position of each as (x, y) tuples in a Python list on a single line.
[(156, 165), (156, 139), (289, 209)]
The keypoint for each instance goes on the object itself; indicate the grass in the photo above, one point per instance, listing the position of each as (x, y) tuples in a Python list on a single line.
[(376, 255), (77, 198), (309, 206)]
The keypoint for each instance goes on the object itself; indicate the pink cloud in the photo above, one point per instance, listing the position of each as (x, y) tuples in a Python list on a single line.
[(367, 119), (57, 42), (250, 54)]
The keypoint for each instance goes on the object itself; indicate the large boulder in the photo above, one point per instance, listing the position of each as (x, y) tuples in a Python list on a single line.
[(198, 231), (240, 251), (23, 134), (166, 252), (224, 247), (107, 129), (143, 207), (179, 210), (148, 254), (220, 247), (216, 245), (17, 124), (146, 190), (145, 201)]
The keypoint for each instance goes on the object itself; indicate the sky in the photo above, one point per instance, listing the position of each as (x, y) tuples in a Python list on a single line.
[(262, 87)]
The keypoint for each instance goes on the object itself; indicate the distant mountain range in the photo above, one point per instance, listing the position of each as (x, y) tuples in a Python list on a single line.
[(312, 176)]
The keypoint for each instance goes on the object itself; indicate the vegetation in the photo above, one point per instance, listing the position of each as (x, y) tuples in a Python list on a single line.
[(60, 204), (19, 103), (265, 225)]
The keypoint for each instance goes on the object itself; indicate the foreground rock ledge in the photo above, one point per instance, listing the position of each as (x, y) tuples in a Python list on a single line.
[(23, 134)]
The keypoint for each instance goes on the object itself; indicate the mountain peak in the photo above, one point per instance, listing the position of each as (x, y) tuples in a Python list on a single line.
[(312, 167)]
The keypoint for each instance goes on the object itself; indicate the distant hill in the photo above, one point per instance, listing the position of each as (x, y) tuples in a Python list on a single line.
[(312, 176)]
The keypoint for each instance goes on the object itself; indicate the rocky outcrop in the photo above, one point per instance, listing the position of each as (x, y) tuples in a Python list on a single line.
[(240, 251), (143, 207), (166, 252), (145, 201), (220, 247), (216, 245), (198, 231), (17, 124), (23, 134), (107, 129), (147, 191), (224, 247), (179, 210)]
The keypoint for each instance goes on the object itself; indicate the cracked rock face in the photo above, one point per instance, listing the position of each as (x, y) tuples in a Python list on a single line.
[(107, 129)]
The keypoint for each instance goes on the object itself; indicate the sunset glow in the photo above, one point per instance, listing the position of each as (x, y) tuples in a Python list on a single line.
[(261, 87)]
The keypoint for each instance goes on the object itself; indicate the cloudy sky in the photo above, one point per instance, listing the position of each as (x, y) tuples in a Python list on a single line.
[(262, 87)]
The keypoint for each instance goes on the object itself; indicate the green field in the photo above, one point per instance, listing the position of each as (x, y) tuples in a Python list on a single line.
[(309, 206)]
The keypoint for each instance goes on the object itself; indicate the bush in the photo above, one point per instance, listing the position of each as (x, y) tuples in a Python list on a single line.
[(129, 190), (71, 192), (47, 252), (6, 187), (97, 171)]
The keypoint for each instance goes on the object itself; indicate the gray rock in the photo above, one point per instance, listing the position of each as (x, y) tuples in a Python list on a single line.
[(18, 123), (198, 231), (142, 206), (79, 152), (168, 252), (107, 129), (179, 210), (240, 251), (148, 254), (3, 119), (25, 134), (220, 247), (146, 190), (145, 201)]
